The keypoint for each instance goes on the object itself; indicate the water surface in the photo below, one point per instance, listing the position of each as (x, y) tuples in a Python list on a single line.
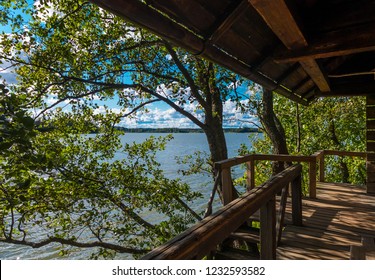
[(181, 145)]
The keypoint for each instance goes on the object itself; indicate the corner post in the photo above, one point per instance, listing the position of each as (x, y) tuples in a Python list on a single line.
[(370, 137), (226, 181), (250, 169), (297, 201), (321, 167), (312, 178), (268, 230)]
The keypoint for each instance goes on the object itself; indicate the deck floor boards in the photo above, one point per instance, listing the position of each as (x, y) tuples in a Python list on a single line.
[(337, 219)]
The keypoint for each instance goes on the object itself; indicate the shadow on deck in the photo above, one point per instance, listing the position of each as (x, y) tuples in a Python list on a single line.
[(342, 216)]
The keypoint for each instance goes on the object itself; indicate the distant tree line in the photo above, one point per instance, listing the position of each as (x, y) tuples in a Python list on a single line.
[(184, 130)]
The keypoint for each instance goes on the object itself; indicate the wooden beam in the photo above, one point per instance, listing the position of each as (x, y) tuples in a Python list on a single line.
[(185, 11), (281, 20), (226, 23), (333, 16), (348, 89), (142, 15), (315, 71), (332, 44)]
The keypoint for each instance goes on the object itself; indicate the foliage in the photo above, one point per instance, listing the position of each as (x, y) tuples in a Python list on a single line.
[(72, 51), (71, 58), (328, 123), (58, 180)]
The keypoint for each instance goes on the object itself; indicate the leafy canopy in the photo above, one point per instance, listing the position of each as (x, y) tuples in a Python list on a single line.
[(58, 182)]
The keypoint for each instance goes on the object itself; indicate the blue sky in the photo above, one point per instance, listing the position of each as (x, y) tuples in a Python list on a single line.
[(158, 114)]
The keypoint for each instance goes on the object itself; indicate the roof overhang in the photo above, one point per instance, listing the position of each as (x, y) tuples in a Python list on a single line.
[(302, 49)]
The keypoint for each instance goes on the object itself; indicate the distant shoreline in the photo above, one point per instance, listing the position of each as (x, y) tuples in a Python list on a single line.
[(184, 130)]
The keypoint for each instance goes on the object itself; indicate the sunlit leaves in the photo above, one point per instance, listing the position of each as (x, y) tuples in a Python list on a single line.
[(321, 122), (59, 180)]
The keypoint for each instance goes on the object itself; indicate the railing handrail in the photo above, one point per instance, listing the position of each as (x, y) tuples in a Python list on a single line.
[(199, 240), (227, 163), (311, 160)]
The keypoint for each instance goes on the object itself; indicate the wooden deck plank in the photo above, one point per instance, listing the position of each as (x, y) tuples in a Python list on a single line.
[(333, 222)]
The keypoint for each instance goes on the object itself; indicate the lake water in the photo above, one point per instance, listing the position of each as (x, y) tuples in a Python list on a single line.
[(182, 144)]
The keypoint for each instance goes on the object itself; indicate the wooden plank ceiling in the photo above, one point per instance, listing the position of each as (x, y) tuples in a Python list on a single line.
[(302, 49)]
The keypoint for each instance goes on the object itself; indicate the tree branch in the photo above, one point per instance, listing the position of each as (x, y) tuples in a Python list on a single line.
[(112, 198), (174, 106), (145, 89), (135, 109), (61, 21), (192, 212), (70, 97), (106, 245), (185, 72)]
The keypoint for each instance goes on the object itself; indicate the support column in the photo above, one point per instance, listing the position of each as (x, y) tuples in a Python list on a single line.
[(370, 134)]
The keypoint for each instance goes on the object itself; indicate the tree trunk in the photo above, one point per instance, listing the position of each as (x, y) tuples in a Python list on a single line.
[(216, 142), (213, 127), (274, 130)]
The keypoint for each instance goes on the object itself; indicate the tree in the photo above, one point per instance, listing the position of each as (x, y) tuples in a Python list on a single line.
[(327, 123), (58, 181), (69, 185), (273, 129), (79, 51)]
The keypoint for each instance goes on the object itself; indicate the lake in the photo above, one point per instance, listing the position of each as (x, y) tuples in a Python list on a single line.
[(182, 144)]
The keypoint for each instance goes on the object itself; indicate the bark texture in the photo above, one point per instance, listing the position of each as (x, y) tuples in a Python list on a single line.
[(274, 130)]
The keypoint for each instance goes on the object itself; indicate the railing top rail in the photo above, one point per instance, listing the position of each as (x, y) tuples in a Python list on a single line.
[(345, 153), (200, 239), (292, 158), (242, 159)]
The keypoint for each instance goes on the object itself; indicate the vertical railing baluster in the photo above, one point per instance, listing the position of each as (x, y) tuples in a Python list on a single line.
[(281, 214)]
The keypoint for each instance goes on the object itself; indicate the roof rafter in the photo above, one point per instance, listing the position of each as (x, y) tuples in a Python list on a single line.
[(339, 43), (348, 89), (280, 19), (226, 23)]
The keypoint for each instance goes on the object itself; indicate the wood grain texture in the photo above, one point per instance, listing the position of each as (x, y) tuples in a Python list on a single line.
[(338, 219)]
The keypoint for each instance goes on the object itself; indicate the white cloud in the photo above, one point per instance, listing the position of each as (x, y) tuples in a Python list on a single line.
[(104, 110), (169, 118), (44, 12)]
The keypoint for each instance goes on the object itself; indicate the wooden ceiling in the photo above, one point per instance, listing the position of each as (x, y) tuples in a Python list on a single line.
[(302, 49)]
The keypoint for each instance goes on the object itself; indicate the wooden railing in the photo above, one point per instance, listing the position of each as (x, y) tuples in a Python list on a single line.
[(224, 167), (317, 159), (203, 237), (320, 155)]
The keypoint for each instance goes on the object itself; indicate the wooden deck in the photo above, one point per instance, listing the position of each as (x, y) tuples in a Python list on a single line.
[(340, 217)]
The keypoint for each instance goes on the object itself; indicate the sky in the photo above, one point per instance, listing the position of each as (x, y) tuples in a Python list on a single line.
[(158, 114)]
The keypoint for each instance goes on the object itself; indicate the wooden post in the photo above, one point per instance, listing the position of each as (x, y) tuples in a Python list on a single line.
[(226, 181), (312, 179), (250, 174), (297, 201), (268, 230), (357, 252), (370, 135), (321, 167), (281, 214)]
